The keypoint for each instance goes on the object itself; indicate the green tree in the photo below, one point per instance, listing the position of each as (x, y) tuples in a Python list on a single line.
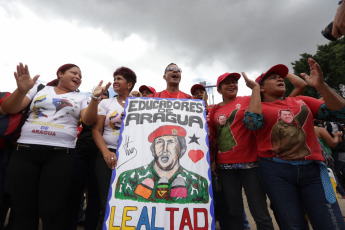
[(331, 58)]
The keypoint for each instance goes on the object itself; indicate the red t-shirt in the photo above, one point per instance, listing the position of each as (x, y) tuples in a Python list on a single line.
[(232, 141), (288, 130), (167, 94)]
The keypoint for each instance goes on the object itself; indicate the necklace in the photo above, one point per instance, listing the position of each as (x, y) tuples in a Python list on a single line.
[(123, 101)]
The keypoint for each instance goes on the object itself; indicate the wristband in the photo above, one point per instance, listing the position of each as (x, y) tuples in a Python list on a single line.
[(96, 98)]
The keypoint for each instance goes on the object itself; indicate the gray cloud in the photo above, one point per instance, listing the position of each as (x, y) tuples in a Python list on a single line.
[(245, 35)]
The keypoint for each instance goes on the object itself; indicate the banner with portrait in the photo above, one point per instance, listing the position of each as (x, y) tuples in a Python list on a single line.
[(163, 174)]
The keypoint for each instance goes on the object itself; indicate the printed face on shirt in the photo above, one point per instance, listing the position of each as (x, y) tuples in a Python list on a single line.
[(222, 119), (70, 79), (286, 116), (167, 152), (172, 75)]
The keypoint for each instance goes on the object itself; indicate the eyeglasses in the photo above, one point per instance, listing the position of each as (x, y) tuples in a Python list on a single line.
[(173, 68)]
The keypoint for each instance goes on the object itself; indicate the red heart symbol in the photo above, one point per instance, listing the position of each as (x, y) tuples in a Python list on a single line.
[(196, 155)]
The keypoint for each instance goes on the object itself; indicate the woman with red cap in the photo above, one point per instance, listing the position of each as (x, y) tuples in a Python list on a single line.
[(290, 160), (42, 164), (234, 152), (106, 133)]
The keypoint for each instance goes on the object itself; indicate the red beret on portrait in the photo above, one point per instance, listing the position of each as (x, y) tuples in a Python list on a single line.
[(167, 130)]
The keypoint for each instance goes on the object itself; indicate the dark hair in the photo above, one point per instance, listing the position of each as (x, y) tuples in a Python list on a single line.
[(61, 69), (65, 67), (182, 144), (127, 73), (165, 70), (285, 110), (318, 123), (106, 93)]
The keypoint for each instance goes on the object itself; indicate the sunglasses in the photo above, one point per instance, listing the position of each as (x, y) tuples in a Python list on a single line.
[(172, 68)]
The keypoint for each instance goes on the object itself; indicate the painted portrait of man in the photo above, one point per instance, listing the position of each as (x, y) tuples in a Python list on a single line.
[(164, 180)]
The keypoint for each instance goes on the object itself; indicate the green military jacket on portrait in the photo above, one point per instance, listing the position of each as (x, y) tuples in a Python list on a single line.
[(133, 184)]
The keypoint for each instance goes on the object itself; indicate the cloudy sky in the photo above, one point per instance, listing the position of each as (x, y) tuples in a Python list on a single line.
[(204, 37)]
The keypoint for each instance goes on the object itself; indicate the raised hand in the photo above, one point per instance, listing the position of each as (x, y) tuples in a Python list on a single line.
[(315, 79), (99, 89), (339, 22), (23, 79), (136, 94), (250, 83)]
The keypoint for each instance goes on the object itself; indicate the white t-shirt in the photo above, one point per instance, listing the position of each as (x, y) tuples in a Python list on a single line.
[(112, 110), (53, 119)]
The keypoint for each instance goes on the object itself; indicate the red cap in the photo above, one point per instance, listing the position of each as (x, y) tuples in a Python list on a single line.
[(279, 69), (223, 76), (195, 87), (143, 87), (167, 130)]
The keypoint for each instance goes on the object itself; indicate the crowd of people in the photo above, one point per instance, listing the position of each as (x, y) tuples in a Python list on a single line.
[(271, 146), (264, 143)]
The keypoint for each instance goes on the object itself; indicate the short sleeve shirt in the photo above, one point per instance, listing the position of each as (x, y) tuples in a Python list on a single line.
[(234, 142), (112, 110), (167, 94), (288, 130), (53, 118)]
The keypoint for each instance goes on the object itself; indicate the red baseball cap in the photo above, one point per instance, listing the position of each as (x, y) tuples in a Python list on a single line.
[(143, 87), (167, 130), (280, 69), (195, 87), (223, 76)]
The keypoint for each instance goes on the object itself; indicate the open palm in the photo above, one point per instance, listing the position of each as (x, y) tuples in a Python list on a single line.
[(315, 78), (23, 79)]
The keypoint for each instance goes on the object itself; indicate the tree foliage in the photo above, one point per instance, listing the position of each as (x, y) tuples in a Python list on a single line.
[(331, 58)]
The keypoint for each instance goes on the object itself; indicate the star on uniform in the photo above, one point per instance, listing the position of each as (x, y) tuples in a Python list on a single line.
[(194, 139)]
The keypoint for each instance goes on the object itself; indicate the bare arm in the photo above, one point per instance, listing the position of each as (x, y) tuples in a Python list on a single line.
[(17, 101), (88, 115), (97, 135), (255, 99), (330, 141), (333, 101), (298, 83)]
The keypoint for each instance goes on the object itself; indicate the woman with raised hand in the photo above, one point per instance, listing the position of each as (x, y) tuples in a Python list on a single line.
[(42, 163), (234, 155), (290, 161), (234, 152), (106, 132)]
